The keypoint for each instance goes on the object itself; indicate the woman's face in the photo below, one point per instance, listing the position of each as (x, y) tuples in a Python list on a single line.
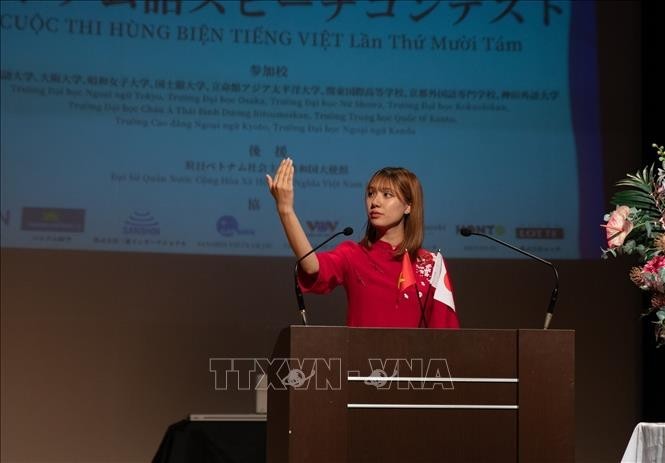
[(384, 207)]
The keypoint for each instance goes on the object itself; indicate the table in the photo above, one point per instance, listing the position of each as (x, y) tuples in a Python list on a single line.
[(646, 445), (215, 439)]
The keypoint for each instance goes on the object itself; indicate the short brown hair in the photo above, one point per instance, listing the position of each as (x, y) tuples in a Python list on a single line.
[(408, 189)]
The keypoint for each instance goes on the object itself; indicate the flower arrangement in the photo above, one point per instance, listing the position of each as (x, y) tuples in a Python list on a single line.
[(637, 226)]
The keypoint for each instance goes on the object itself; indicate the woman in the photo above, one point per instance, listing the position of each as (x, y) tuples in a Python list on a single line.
[(390, 280)]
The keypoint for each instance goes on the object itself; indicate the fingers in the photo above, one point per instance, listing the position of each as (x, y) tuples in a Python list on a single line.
[(289, 173), (283, 179), (284, 174), (279, 173)]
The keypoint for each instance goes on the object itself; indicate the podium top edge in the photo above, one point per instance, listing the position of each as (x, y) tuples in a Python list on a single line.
[(503, 330), (227, 417)]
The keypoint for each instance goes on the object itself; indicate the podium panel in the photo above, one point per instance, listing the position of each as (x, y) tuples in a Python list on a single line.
[(393, 395)]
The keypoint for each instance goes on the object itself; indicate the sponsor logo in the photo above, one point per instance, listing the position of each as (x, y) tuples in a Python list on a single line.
[(539, 233), (141, 223), (52, 219), (492, 230), (321, 226), (227, 225), (5, 217)]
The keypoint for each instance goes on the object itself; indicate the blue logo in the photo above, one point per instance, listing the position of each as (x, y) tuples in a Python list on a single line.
[(141, 223), (227, 225)]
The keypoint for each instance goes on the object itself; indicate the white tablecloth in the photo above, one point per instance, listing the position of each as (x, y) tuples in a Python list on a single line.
[(647, 444)]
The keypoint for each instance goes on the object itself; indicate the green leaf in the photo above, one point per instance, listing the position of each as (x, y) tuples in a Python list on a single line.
[(629, 246), (607, 252), (641, 250), (634, 198), (636, 184)]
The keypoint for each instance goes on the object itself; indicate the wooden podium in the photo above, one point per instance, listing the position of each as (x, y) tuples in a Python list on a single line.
[(342, 394)]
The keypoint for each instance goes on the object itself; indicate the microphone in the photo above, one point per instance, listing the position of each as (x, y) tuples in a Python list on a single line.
[(555, 291), (299, 297)]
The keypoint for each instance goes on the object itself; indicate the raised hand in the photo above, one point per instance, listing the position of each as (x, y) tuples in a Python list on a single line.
[(281, 186)]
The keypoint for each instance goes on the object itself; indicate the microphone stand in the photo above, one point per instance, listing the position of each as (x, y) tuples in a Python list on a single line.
[(299, 297), (555, 291)]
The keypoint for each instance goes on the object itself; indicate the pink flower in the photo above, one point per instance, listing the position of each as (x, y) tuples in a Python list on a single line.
[(651, 276), (618, 226), (654, 265)]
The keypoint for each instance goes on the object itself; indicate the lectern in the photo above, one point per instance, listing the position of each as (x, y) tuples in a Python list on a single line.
[(340, 394)]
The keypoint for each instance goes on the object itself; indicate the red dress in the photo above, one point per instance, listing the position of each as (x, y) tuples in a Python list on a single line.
[(370, 277)]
